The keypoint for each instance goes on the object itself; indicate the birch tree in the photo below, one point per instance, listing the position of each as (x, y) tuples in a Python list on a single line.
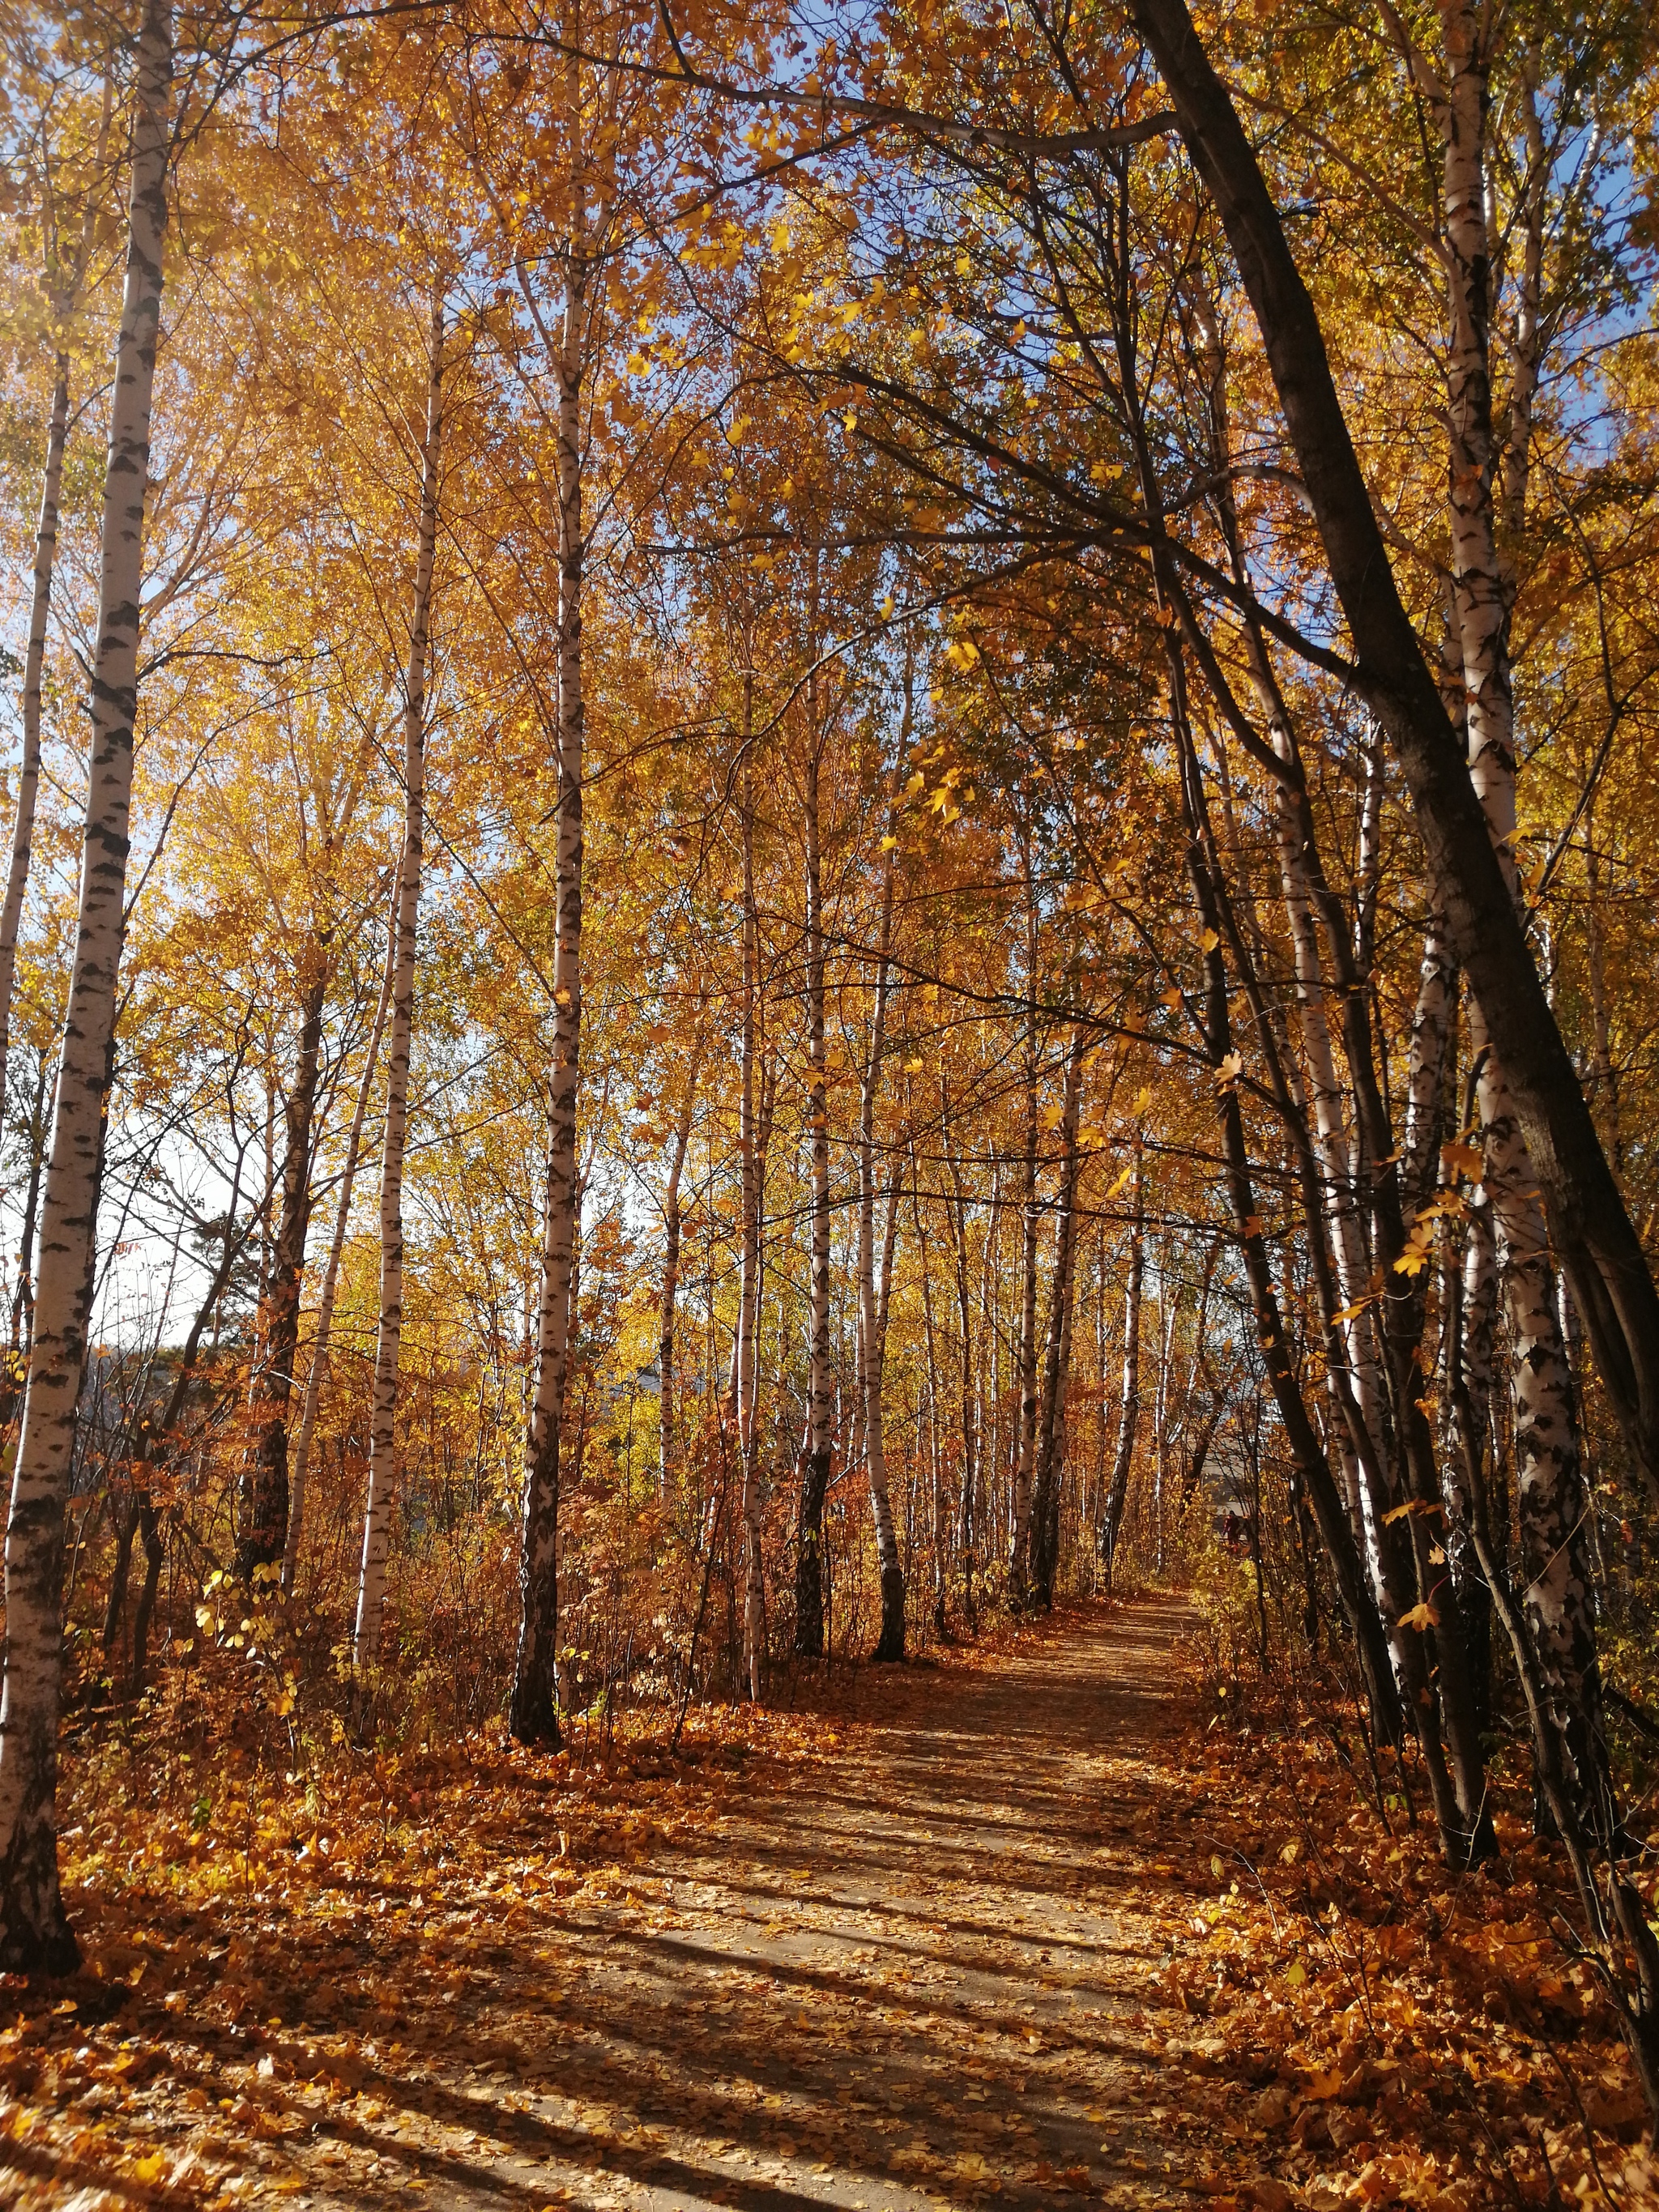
[(34, 1931), (64, 281), (890, 1644), (532, 1709), (816, 1450), (382, 1437)]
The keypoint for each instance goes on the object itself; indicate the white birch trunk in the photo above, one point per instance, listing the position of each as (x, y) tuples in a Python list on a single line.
[(29, 776), (35, 1932), (1549, 1478), (667, 1398), (382, 1441), (1426, 1077), (1051, 1434), (1128, 1417), (1019, 1562), (748, 1287), (1332, 1142), (318, 1375), (532, 1712), (820, 1410), (890, 1645)]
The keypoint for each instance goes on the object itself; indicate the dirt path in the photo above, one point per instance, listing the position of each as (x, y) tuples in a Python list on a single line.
[(926, 1975)]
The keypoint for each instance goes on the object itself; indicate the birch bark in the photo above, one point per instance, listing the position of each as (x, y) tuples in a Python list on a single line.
[(64, 296), (28, 777), (1592, 1224), (1128, 1420), (1051, 1430), (382, 1441), (34, 1931), (749, 1285), (820, 1410), (532, 1709), (1549, 1476), (890, 1644), (1019, 1562), (967, 1508), (667, 1403)]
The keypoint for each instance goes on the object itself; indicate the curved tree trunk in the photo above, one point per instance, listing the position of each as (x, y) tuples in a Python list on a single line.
[(35, 1932), (1591, 1224)]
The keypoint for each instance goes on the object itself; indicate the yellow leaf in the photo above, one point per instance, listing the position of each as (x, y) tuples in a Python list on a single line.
[(153, 2168), (1421, 1617), (1210, 940), (889, 844)]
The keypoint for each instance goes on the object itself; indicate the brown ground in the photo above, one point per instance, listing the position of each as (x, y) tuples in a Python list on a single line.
[(920, 1970)]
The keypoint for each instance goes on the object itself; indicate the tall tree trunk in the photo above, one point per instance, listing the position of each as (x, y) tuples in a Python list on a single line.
[(318, 1375), (34, 1931), (1128, 1420), (1603, 1075), (930, 1339), (262, 1495), (64, 290), (744, 1370), (382, 1440), (1051, 1431), (532, 1713), (815, 1459), (1019, 1561), (1549, 1474), (1591, 1224), (890, 1645), (28, 779), (666, 1402), (966, 1509)]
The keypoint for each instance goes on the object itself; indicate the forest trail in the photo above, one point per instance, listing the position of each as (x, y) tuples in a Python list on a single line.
[(923, 1974), (911, 1951)]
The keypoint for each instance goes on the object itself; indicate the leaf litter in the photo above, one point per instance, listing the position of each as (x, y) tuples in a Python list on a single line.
[(1017, 1927)]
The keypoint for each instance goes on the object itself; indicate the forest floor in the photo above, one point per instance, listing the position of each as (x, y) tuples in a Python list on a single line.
[(920, 1948)]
